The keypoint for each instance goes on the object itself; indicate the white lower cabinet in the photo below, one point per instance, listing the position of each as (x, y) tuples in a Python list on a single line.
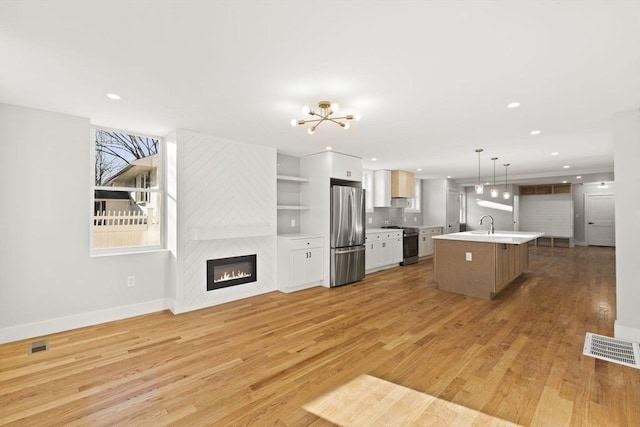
[(425, 240), (383, 250), (300, 262)]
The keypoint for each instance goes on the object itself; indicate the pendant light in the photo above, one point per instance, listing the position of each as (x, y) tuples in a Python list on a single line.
[(507, 194), (494, 189), (479, 186)]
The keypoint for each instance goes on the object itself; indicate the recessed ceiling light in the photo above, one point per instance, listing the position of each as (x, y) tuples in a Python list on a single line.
[(579, 177), (448, 176), (513, 105), (566, 166), (564, 182), (419, 169), (328, 148), (113, 96), (535, 132), (555, 153), (373, 159)]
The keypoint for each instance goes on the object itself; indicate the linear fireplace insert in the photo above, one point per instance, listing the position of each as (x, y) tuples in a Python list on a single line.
[(225, 272)]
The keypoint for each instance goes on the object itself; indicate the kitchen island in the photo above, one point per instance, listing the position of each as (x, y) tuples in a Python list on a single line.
[(480, 264)]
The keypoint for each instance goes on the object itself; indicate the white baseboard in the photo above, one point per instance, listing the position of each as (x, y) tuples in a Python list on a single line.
[(624, 332), (51, 326)]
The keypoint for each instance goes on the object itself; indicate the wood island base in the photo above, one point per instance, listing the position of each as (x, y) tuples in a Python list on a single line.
[(478, 269)]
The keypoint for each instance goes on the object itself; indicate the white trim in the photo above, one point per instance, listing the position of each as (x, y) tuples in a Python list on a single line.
[(626, 332), (60, 324)]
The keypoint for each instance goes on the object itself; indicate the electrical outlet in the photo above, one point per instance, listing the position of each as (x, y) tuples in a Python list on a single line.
[(468, 256), (293, 222), (404, 219), (370, 220), (415, 219), (131, 281)]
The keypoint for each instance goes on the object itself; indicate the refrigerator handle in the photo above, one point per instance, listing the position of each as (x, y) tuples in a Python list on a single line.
[(350, 216), (349, 251)]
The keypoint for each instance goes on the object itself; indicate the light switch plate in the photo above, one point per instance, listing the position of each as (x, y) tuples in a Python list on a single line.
[(469, 256)]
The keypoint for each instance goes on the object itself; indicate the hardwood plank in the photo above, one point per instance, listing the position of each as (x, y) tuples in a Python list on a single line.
[(438, 358)]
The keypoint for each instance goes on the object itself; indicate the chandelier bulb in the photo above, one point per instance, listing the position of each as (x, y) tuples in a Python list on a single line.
[(310, 131), (345, 125), (306, 109), (335, 107), (356, 117), (294, 122)]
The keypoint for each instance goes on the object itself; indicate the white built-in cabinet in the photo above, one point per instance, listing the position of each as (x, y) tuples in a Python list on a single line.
[(320, 169), (425, 240), (383, 250), (346, 167), (300, 262)]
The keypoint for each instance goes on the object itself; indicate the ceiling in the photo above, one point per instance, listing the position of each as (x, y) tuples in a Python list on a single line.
[(431, 79)]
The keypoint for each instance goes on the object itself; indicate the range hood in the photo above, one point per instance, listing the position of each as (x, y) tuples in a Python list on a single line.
[(402, 185)]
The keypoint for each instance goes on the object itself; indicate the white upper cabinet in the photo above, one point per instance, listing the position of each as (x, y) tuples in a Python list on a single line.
[(345, 167), (382, 188)]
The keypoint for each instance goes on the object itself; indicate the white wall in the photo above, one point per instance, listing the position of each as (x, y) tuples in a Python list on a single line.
[(48, 281), (626, 133), (434, 202)]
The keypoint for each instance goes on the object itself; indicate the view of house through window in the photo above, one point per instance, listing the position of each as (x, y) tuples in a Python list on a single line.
[(127, 197)]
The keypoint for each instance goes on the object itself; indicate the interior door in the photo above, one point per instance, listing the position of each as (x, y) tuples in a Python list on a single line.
[(453, 211), (600, 215)]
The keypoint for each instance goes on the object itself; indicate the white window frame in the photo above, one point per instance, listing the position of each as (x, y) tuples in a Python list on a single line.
[(160, 190)]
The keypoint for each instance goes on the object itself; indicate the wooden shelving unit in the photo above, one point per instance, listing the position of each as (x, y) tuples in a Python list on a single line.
[(529, 190)]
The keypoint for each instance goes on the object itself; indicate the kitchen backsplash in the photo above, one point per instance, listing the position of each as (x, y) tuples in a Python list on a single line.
[(395, 216)]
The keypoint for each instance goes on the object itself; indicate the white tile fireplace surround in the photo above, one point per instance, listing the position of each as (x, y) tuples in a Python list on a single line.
[(225, 204)]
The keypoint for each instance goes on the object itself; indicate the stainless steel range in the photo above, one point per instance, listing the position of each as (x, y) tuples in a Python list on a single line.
[(409, 243)]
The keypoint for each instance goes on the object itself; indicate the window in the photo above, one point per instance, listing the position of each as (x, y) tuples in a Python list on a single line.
[(414, 204), (125, 217)]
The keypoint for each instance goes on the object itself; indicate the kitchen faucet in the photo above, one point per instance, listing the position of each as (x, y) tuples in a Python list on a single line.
[(491, 230)]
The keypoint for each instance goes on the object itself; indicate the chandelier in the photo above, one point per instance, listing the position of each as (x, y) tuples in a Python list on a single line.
[(326, 110)]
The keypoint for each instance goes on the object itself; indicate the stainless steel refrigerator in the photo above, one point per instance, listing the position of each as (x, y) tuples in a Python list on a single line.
[(347, 235)]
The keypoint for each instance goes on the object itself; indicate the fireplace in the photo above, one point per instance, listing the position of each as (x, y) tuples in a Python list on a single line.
[(225, 272)]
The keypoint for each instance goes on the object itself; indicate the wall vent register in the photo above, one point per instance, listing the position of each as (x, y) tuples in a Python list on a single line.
[(614, 350)]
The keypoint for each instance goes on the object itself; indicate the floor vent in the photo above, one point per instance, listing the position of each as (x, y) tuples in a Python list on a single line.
[(614, 350), (38, 346)]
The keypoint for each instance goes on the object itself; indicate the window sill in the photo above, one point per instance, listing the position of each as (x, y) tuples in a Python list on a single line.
[(98, 253)]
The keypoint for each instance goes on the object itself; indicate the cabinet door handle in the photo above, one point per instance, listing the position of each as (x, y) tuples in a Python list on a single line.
[(384, 244)]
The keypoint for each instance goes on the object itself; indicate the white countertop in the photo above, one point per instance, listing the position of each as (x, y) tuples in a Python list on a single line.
[(508, 237), (298, 236), (382, 230)]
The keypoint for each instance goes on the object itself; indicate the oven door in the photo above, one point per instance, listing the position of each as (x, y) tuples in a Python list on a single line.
[(410, 248)]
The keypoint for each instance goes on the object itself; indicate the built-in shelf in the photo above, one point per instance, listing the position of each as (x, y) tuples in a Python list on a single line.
[(292, 178), (292, 208)]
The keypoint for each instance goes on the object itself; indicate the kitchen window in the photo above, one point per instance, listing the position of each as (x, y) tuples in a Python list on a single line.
[(414, 204), (127, 192)]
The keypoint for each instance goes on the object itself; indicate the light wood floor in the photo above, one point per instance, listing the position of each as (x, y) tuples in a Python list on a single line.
[(272, 359)]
